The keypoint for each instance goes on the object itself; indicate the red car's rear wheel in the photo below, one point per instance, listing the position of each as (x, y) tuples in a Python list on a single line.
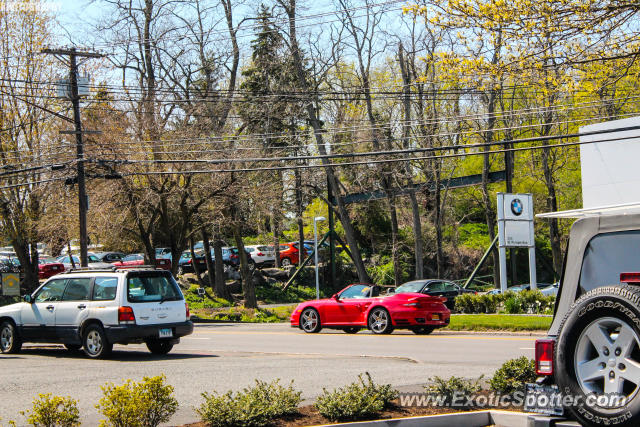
[(310, 321)]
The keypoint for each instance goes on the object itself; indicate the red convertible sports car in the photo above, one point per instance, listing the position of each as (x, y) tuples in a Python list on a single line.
[(361, 306)]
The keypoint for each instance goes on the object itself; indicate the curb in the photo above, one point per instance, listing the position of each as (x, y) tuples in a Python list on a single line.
[(467, 419)]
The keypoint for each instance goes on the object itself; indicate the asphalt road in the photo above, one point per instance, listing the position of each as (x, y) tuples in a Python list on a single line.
[(230, 356)]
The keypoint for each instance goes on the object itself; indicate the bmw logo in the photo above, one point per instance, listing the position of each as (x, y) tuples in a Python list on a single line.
[(516, 207)]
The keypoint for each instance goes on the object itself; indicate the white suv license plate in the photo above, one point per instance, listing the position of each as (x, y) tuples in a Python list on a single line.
[(165, 333)]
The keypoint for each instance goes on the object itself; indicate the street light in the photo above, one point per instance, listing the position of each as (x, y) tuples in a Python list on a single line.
[(315, 251)]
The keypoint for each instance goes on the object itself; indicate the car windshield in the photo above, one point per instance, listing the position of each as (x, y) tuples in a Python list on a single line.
[(410, 287), (93, 258), (152, 287), (186, 255), (356, 291)]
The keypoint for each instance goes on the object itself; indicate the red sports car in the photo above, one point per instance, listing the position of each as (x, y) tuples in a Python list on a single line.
[(361, 306), (133, 260)]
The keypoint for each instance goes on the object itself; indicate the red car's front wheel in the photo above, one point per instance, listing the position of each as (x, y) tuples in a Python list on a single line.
[(380, 321), (310, 321)]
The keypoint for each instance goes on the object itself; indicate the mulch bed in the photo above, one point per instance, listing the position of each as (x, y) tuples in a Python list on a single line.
[(309, 416)]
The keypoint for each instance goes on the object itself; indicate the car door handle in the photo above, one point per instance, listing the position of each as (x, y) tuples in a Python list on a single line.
[(82, 306), (50, 307)]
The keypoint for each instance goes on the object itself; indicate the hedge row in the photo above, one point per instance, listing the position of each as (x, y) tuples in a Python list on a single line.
[(527, 301)]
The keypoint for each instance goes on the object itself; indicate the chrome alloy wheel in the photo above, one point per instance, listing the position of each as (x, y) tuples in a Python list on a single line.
[(309, 320), (93, 342), (378, 320), (6, 337), (607, 360)]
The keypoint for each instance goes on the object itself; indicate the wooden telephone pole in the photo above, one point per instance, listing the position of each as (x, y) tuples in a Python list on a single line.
[(73, 54)]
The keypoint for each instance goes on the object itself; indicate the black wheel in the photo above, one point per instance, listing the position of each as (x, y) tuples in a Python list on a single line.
[(95, 342), (286, 262), (73, 347), (159, 346), (310, 321), (10, 342), (380, 321), (352, 330), (597, 356), (422, 330)]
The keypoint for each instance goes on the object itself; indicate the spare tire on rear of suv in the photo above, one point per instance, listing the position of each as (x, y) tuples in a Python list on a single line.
[(598, 356)]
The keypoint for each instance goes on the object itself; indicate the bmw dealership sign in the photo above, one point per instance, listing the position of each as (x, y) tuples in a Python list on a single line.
[(515, 230)]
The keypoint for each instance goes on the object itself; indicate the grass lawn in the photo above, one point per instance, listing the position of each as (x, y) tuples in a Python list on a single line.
[(501, 322)]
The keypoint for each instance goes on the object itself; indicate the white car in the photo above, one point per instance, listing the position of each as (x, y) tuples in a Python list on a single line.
[(96, 309), (262, 254), (93, 262)]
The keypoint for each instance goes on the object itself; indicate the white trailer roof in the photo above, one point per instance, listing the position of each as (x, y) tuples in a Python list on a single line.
[(621, 209)]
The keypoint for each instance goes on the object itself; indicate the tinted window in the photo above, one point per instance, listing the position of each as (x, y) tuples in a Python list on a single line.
[(93, 258), (264, 248), (435, 287), (77, 289), (132, 258), (152, 287), (451, 287), (104, 288), (52, 291), (608, 255), (356, 291), (415, 286)]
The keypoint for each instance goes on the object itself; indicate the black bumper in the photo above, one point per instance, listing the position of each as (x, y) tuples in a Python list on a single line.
[(137, 333)]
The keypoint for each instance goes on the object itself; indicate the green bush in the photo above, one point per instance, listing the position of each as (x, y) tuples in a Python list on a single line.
[(512, 305), (53, 411), (359, 400), (513, 374), (527, 301), (254, 406), (448, 387), (137, 404)]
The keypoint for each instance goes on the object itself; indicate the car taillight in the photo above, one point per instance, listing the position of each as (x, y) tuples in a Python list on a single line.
[(544, 357), (412, 304), (260, 254), (630, 277), (186, 306), (125, 315)]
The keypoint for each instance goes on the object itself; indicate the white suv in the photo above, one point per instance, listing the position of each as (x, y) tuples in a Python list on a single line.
[(96, 309)]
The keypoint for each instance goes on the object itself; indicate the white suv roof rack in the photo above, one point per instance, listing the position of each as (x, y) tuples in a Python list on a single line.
[(622, 209)]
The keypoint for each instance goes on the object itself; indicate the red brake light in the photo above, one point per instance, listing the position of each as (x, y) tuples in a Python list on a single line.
[(630, 277), (260, 254), (186, 306), (544, 357), (125, 315)]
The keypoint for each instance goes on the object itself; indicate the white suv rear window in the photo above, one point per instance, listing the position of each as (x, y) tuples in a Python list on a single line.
[(152, 287)]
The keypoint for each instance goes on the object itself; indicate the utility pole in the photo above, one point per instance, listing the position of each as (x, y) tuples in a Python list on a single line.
[(72, 53)]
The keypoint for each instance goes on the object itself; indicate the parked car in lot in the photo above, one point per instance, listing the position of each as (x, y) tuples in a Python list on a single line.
[(163, 252), (9, 265), (185, 263), (550, 290), (437, 288), (132, 260), (109, 257), (97, 309), (289, 253), (262, 255), (234, 258), (48, 267), (93, 262), (360, 306)]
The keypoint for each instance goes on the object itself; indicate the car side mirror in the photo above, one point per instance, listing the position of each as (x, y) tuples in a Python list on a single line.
[(27, 298)]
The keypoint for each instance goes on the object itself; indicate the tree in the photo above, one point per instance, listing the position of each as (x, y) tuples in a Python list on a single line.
[(26, 129)]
